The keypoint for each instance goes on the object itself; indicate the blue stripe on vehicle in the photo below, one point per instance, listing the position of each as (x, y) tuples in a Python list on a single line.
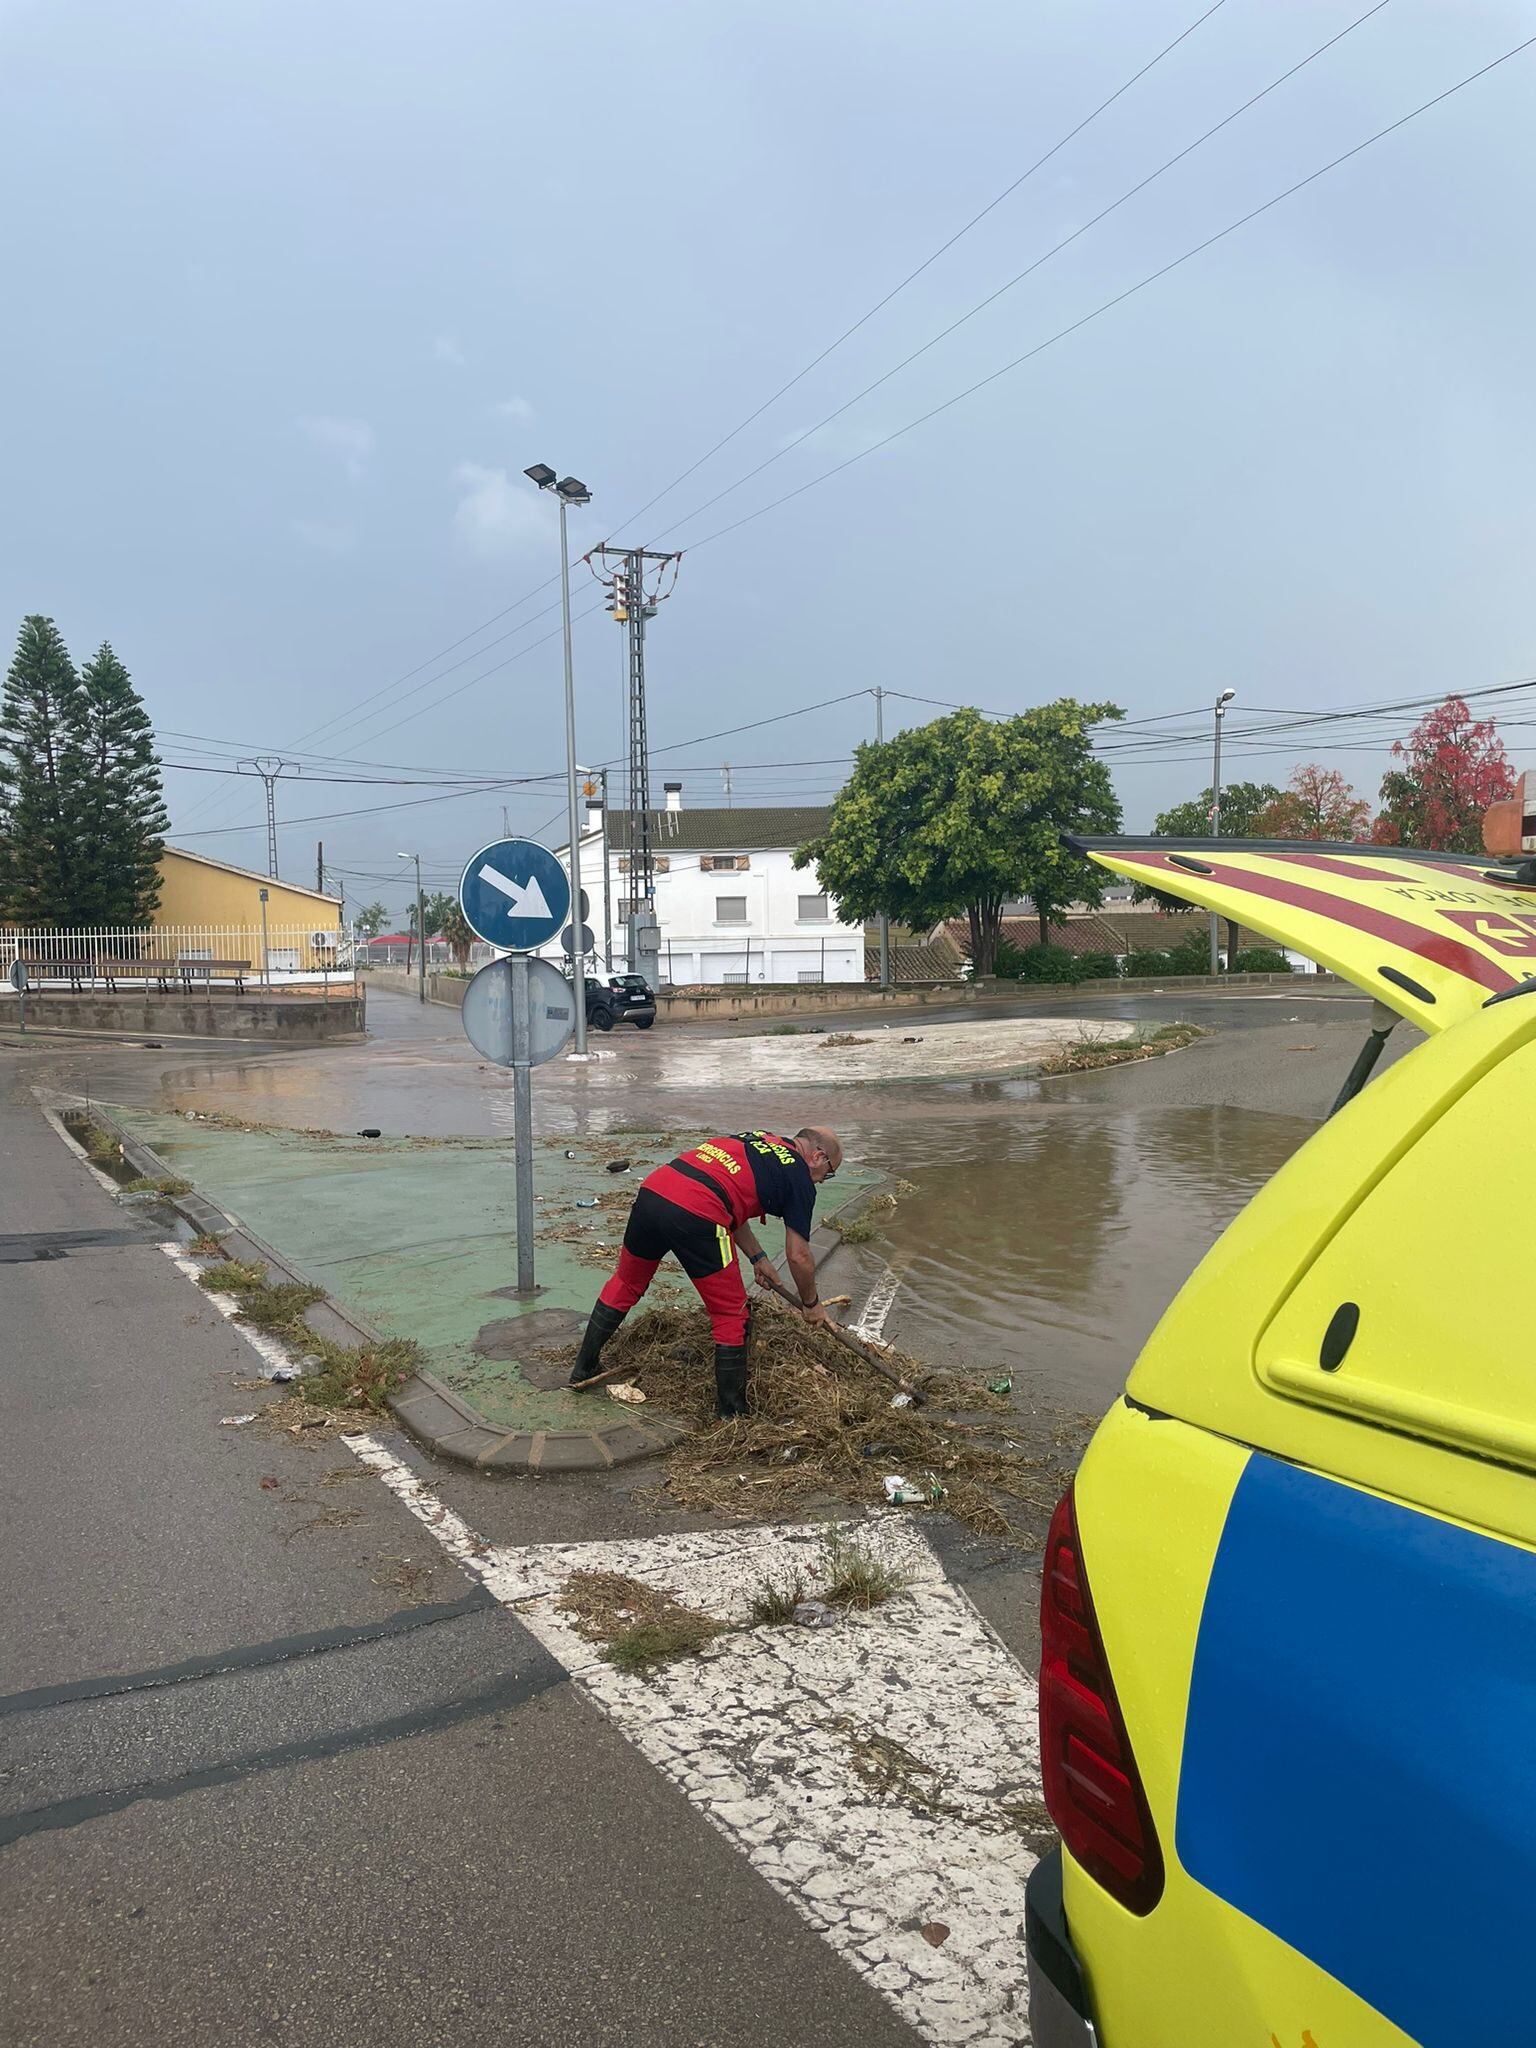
[(1359, 1769)]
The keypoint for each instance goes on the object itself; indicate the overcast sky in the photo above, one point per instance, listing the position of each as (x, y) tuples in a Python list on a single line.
[(295, 291)]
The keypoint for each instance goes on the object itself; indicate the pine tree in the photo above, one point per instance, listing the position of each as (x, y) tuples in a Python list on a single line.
[(39, 714), (116, 801)]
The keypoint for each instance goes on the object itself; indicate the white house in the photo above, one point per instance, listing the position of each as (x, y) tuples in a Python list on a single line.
[(731, 905)]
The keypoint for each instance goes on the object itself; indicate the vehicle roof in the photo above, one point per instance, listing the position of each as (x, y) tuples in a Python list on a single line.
[(1434, 935)]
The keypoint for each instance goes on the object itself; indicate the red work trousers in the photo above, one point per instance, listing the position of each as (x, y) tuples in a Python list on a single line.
[(705, 1250)]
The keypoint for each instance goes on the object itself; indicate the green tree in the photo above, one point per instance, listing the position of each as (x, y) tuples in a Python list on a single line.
[(117, 803), (437, 905), (453, 925), (1245, 808), (371, 920), (958, 815), (39, 714)]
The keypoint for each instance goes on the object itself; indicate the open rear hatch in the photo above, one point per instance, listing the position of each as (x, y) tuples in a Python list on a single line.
[(1433, 935), (1370, 1310)]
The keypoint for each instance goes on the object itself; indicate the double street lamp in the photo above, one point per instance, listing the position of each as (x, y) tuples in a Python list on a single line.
[(570, 492)]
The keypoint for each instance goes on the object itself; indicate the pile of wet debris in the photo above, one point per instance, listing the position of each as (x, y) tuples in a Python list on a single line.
[(823, 1428)]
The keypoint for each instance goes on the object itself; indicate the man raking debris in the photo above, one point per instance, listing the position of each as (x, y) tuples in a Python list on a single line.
[(700, 1207)]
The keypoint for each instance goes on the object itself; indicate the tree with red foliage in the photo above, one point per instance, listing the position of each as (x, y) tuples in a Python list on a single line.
[(1453, 767), (1319, 804)]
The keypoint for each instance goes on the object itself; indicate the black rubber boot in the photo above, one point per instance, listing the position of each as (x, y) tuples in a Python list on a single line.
[(730, 1380), (600, 1327)]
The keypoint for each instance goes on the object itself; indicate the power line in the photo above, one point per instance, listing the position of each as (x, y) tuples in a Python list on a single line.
[(1108, 305), (926, 264), (1030, 268)]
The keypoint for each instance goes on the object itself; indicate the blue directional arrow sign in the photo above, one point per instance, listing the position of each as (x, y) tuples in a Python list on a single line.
[(515, 894)]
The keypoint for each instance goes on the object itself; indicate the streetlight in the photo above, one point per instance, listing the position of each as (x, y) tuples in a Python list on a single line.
[(1221, 711), (421, 931), (570, 492)]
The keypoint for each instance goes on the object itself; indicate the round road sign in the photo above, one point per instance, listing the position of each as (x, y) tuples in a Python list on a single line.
[(568, 939), (488, 1018), (515, 894)]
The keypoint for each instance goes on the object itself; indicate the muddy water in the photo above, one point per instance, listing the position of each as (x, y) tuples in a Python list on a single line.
[(1046, 1241)]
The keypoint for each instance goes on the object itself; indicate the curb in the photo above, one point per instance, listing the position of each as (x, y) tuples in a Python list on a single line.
[(439, 1419)]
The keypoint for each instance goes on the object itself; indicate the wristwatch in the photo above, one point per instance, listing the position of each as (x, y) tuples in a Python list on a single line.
[(756, 1258)]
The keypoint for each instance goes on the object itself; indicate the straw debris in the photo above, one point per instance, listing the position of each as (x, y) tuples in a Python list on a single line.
[(823, 1429), (639, 1627)]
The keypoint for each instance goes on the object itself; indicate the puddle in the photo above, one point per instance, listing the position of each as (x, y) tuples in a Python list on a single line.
[(1047, 1244)]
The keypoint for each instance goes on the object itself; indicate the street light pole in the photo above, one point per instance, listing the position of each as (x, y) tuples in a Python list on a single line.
[(572, 815), (570, 491), (1221, 711)]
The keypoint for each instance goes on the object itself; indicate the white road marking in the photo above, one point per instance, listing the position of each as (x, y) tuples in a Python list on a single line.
[(883, 1775), (874, 1312), (273, 1354)]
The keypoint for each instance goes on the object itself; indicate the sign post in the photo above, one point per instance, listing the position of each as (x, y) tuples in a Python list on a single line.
[(522, 1119), (518, 1012)]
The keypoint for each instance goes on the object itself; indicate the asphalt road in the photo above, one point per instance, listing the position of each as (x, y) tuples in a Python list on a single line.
[(274, 1771)]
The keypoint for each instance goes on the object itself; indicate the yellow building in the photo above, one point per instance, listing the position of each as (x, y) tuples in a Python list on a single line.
[(212, 907)]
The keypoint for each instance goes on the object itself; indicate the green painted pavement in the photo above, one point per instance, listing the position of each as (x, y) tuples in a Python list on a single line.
[(418, 1236)]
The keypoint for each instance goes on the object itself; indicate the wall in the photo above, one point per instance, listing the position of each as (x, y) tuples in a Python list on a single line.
[(703, 949), (195, 892), (291, 1021)]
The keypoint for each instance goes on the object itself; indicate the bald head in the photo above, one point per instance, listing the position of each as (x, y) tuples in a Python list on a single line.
[(820, 1150)]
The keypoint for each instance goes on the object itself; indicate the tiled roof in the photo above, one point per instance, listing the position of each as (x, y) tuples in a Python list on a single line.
[(746, 829), (939, 961)]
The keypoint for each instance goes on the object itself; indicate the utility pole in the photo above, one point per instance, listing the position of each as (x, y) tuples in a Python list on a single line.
[(885, 922), (319, 867), (631, 602), (725, 771), (269, 768), (1221, 711), (421, 931)]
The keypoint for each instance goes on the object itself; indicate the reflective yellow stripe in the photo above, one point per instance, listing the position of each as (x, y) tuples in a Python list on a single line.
[(727, 1247)]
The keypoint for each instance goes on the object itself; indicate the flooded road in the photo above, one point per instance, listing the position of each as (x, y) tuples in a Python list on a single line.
[(1051, 1223)]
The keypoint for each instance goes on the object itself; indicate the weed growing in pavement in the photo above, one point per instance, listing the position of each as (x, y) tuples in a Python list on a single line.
[(775, 1601), (141, 1184), (854, 1578), (206, 1246), (233, 1276), (360, 1376), (638, 1627)]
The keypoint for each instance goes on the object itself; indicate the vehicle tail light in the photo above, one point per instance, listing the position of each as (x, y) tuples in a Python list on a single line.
[(1093, 1789)]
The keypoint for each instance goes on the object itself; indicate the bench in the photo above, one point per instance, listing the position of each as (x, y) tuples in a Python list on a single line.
[(209, 971), (75, 972), (161, 972)]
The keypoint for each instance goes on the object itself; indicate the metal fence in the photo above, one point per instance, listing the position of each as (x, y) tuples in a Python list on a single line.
[(158, 954)]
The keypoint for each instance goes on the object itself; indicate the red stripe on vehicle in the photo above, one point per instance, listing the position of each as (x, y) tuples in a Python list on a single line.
[(1442, 950)]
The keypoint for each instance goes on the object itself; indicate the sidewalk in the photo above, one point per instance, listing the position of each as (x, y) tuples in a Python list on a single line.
[(418, 1238)]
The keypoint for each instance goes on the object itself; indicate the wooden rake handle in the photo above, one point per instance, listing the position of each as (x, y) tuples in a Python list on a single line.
[(857, 1346)]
